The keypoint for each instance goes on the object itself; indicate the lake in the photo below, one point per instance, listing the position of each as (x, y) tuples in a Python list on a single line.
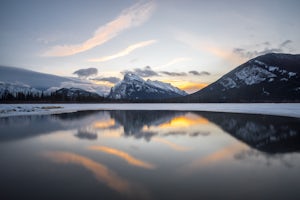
[(149, 155)]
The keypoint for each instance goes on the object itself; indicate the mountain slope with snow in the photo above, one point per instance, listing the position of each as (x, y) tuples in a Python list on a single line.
[(267, 78), (14, 81), (133, 87)]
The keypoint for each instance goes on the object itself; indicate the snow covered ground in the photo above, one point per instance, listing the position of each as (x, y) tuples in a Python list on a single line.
[(280, 109)]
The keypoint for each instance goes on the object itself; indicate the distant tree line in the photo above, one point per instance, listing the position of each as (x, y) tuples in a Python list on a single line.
[(54, 97)]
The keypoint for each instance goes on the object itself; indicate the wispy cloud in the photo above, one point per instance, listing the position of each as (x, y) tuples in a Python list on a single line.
[(176, 61), (130, 17), (124, 52)]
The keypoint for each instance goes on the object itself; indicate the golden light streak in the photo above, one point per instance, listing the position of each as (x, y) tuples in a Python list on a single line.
[(100, 171), (172, 145), (124, 52), (123, 155), (130, 17)]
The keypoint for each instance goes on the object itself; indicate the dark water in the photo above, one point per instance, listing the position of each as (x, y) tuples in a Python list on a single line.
[(149, 155)]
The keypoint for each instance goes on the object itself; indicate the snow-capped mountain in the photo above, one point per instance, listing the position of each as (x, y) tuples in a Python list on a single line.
[(267, 78), (133, 87), (14, 81)]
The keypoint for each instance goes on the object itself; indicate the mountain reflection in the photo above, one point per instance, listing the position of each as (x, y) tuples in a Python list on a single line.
[(134, 121), (146, 124), (270, 134)]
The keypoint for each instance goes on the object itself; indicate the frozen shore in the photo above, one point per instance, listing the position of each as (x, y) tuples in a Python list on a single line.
[(279, 109)]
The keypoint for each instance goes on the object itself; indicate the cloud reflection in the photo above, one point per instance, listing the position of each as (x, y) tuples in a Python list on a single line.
[(100, 171), (217, 156), (104, 124), (172, 145), (123, 155)]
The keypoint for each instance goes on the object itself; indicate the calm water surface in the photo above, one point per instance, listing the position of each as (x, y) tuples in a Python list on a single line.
[(149, 155)]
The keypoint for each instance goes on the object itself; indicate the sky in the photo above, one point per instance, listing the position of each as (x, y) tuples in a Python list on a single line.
[(188, 43)]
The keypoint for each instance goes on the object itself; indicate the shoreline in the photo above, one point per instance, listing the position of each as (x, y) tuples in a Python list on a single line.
[(276, 109)]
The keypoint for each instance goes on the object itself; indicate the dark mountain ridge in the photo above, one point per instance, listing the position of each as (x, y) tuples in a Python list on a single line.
[(268, 78)]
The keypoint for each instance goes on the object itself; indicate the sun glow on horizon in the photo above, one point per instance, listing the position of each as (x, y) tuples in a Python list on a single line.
[(188, 86)]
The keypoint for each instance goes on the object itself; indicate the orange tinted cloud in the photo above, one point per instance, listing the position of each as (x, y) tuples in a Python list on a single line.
[(123, 155), (133, 16), (100, 171), (172, 145)]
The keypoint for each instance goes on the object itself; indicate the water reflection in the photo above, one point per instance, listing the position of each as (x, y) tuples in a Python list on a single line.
[(101, 172), (123, 155), (150, 154), (267, 159), (266, 133), (86, 134), (172, 145), (270, 134), (146, 124), (212, 158)]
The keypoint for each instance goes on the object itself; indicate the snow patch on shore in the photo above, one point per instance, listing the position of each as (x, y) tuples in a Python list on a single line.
[(279, 109)]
